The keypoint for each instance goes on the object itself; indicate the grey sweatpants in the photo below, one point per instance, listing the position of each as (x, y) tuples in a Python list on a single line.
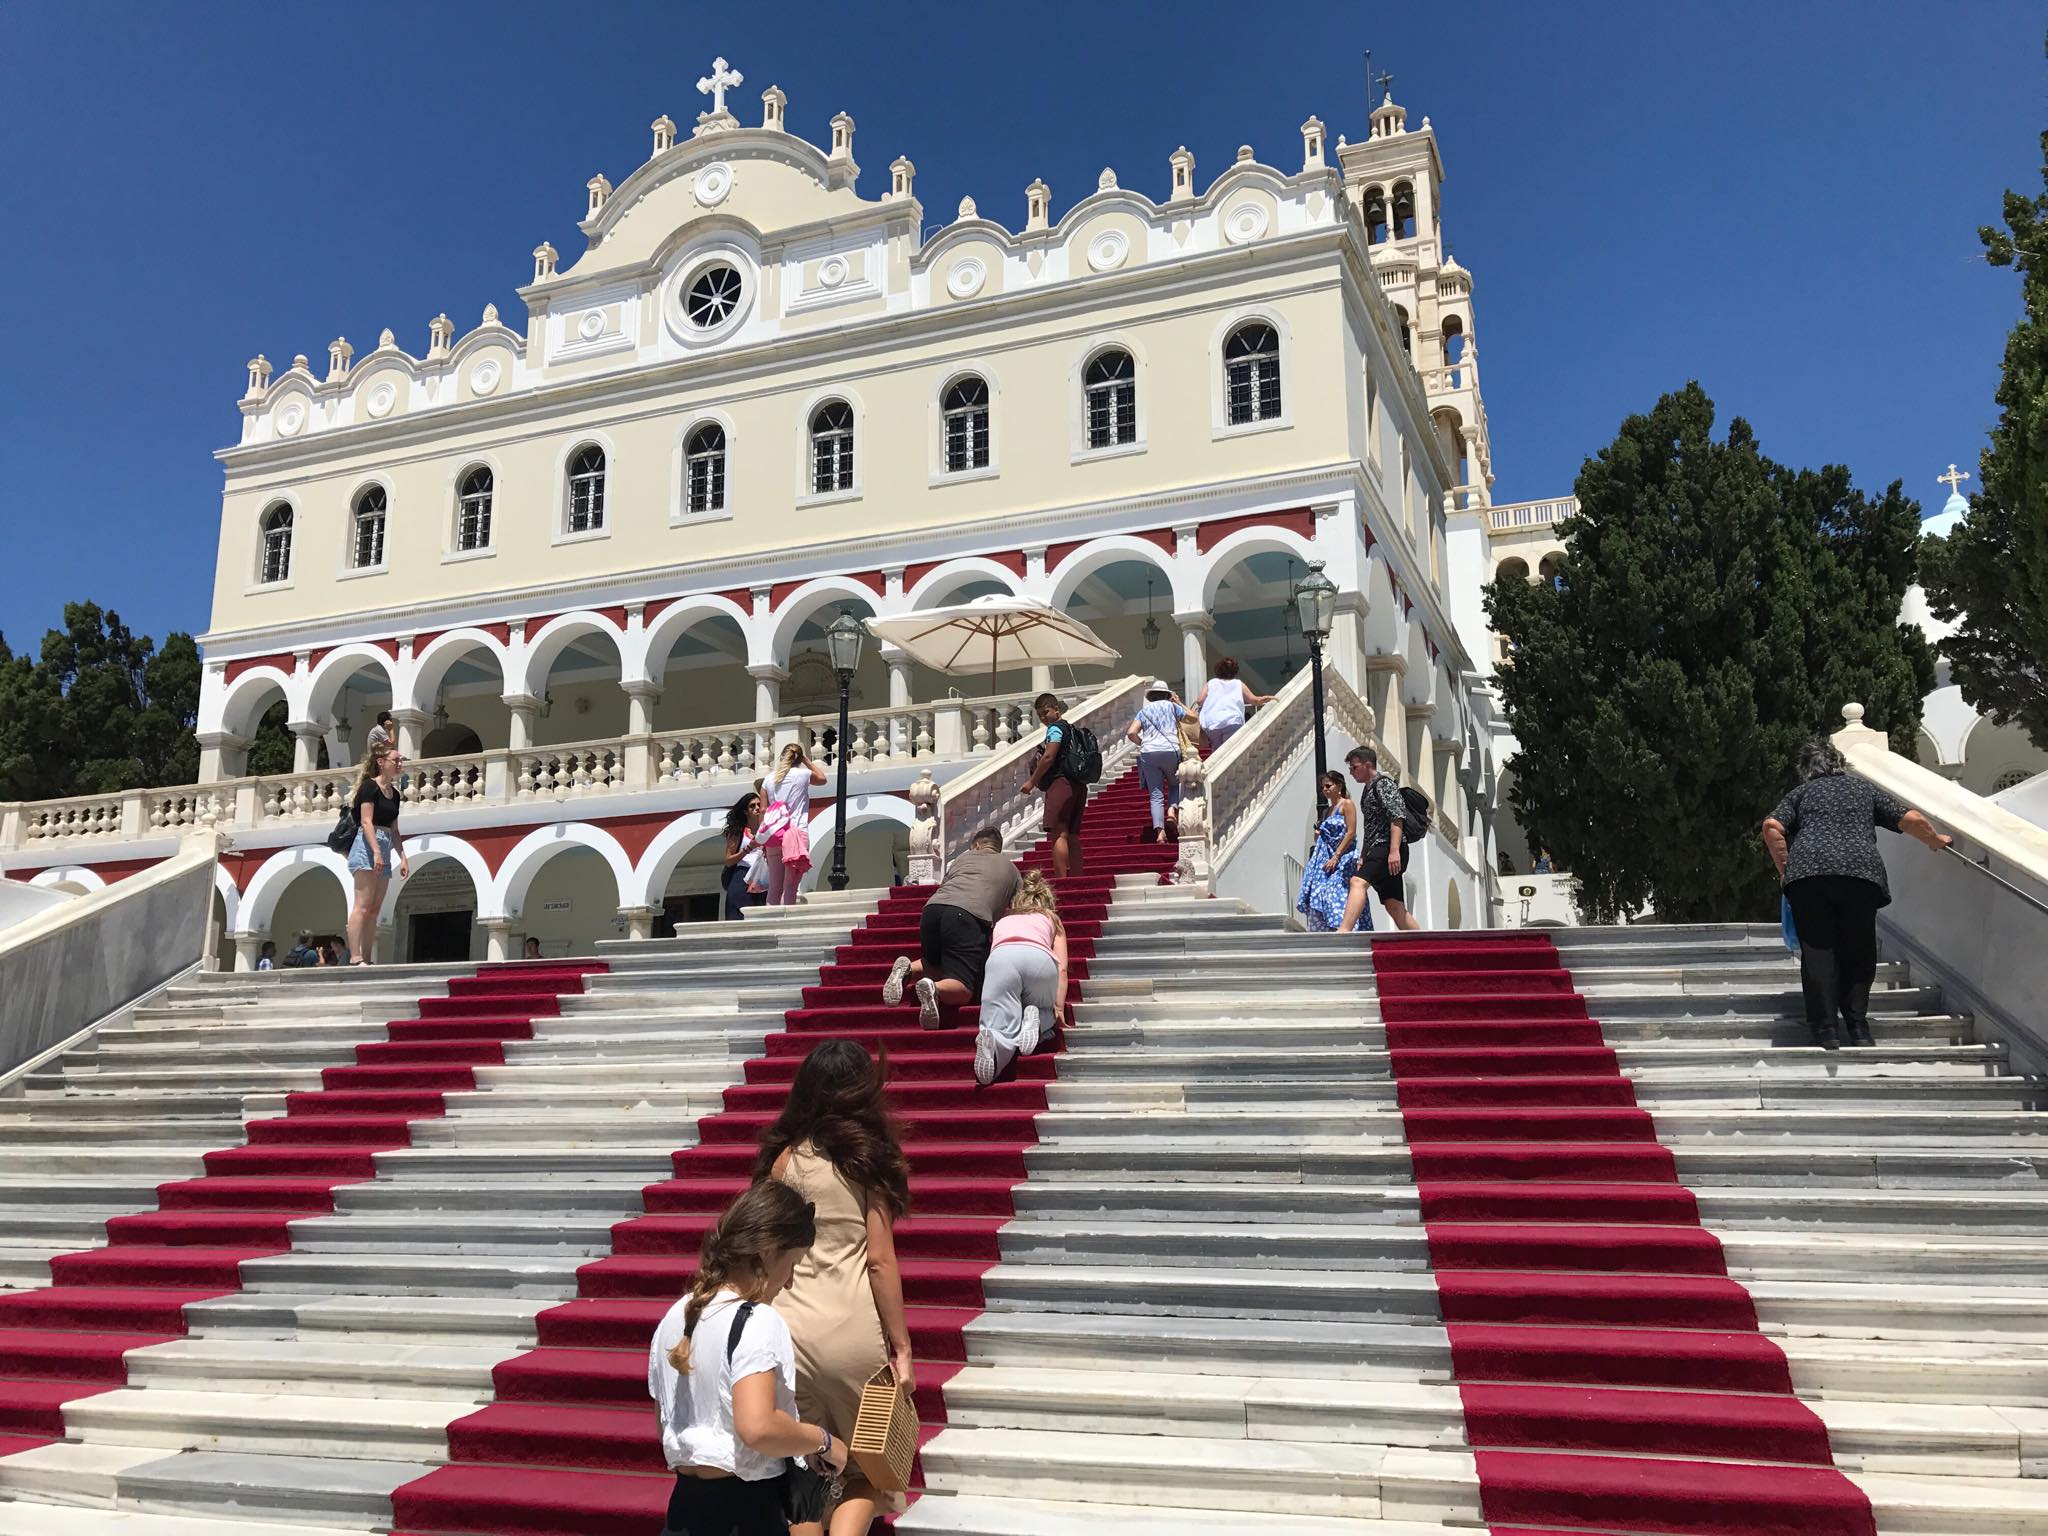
[(1018, 974)]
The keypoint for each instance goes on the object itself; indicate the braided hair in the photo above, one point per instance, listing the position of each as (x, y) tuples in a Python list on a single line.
[(769, 1219)]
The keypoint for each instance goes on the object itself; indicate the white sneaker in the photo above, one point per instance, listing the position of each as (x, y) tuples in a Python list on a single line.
[(927, 1003), (1032, 1037), (892, 989), (990, 1057)]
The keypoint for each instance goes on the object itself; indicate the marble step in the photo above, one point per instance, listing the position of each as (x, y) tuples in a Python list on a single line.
[(419, 1272), (955, 1515), (422, 1196), (385, 1427), (17, 1519), (235, 1338), (1641, 1062), (1113, 1026)]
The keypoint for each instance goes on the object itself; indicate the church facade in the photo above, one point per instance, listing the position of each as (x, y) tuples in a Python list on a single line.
[(586, 560)]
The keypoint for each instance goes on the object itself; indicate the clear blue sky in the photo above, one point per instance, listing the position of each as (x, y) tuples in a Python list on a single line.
[(1780, 200)]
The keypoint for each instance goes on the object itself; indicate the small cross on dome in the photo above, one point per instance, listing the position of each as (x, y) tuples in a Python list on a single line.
[(721, 79), (1953, 480)]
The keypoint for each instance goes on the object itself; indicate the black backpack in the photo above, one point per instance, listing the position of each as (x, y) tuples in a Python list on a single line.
[(1415, 824), (343, 837), (1084, 755)]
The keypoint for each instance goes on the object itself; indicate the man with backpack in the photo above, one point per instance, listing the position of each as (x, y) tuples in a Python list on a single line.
[(1068, 763), (1386, 826)]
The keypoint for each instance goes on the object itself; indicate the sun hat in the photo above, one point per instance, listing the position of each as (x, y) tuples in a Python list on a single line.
[(1159, 688)]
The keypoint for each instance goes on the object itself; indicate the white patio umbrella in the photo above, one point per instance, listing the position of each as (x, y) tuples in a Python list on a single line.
[(994, 632)]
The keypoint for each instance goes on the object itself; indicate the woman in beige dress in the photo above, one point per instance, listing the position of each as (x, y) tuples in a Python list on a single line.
[(834, 1145)]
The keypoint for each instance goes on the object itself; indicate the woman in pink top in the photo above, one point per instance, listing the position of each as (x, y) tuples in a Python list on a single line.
[(1026, 984)]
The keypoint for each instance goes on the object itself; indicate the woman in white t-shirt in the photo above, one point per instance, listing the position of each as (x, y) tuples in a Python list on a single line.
[(1224, 702), (722, 1373), (785, 831)]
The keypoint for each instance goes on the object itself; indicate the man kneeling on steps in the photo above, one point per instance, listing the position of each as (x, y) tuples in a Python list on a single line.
[(955, 931)]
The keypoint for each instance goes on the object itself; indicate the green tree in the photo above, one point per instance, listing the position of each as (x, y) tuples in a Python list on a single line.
[(1712, 610), (1990, 576)]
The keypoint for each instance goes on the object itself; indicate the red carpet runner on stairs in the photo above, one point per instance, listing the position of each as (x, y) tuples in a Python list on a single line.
[(1612, 1374), (71, 1338), (570, 1447)]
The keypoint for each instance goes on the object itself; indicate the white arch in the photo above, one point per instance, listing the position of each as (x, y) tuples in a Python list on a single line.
[(545, 647), (259, 902), (430, 665), (805, 601), (1383, 631), (1236, 548), (85, 880), (507, 894), (671, 845), (866, 809), (422, 848), (324, 684), (1418, 683), (941, 579), (231, 899), (1111, 548), (673, 622), (245, 700)]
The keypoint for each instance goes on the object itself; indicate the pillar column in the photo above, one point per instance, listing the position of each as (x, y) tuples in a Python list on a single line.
[(768, 681), (306, 740), (413, 726), (640, 701), (639, 922), (1194, 651), (525, 719), (1383, 676), (498, 938), (902, 730), (384, 943), (1041, 680), (221, 756), (247, 947)]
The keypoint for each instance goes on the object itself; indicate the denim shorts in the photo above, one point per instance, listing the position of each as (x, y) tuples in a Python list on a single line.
[(359, 855)]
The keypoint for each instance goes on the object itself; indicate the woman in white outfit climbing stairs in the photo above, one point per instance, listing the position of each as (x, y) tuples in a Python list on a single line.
[(1026, 983), (1224, 702)]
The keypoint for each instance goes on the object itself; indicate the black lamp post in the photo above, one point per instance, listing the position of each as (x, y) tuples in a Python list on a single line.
[(1315, 605), (843, 639)]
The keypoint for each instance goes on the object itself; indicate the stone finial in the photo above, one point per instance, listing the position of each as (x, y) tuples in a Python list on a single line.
[(1037, 205), (842, 136), (1106, 182), (299, 362), (902, 176), (338, 354), (664, 128), (544, 258), (600, 188), (1425, 122), (385, 338), (1183, 163), (967, 210), (1312, 144), (490, 314), (259, 375), (774, 108), (1245, 155), (440, 335), (927, 855)]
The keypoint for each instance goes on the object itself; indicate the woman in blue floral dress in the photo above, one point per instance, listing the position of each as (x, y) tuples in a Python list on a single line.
[(1335, 857)]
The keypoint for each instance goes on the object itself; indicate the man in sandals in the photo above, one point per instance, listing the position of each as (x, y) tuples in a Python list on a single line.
[(954, 931)]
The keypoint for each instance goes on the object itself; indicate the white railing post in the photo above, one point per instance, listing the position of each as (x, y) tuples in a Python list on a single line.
[(10, 825)]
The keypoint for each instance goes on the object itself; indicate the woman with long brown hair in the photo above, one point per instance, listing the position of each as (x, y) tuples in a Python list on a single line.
[(376, 848), (722, 1373), (834, 1145)]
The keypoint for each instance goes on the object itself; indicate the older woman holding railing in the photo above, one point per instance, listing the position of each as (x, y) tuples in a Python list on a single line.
[(1823, 839)]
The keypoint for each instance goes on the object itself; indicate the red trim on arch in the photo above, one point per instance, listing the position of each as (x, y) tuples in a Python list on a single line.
[(741, 598), (237, 667), (109, 871), (1011, 560), (1298, 520), (1056, 554)]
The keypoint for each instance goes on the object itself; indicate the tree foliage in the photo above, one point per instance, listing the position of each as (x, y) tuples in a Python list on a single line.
[(101, 708), (1990, 576), (1713, 610)]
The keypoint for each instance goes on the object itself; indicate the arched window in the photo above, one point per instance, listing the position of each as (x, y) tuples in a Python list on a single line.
[(1375, 216), (276, 558), (832, 447), (473, 510), (965, 408), (1251, 373), (368, 546), (1112, 386), (1407, 336), (586, 489), (704, 457)]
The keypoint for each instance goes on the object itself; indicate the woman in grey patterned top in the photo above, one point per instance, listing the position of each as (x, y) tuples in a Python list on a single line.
[(1823, 838)]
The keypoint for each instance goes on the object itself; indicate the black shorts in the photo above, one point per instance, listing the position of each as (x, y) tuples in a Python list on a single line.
[(954, 944), (1372, 869), (726, 1506)]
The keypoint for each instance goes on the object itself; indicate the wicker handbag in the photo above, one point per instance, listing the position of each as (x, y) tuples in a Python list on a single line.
[(884, 1434)]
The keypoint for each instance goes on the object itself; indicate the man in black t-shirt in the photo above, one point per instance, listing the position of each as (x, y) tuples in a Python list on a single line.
[(1381, 835)]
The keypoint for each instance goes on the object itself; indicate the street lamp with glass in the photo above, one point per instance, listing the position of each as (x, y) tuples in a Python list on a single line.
[(1315, 605), (843, 639)]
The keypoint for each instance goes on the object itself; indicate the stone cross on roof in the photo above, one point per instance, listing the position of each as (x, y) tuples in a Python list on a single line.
[(722, 77), (1953, 480)]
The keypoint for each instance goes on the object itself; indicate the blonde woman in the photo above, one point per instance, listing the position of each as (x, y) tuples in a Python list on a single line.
[(1025, 988), (377, 846), (785, 831)]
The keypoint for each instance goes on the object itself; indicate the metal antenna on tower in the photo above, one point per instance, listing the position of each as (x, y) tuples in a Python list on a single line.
[(1375, 85)]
